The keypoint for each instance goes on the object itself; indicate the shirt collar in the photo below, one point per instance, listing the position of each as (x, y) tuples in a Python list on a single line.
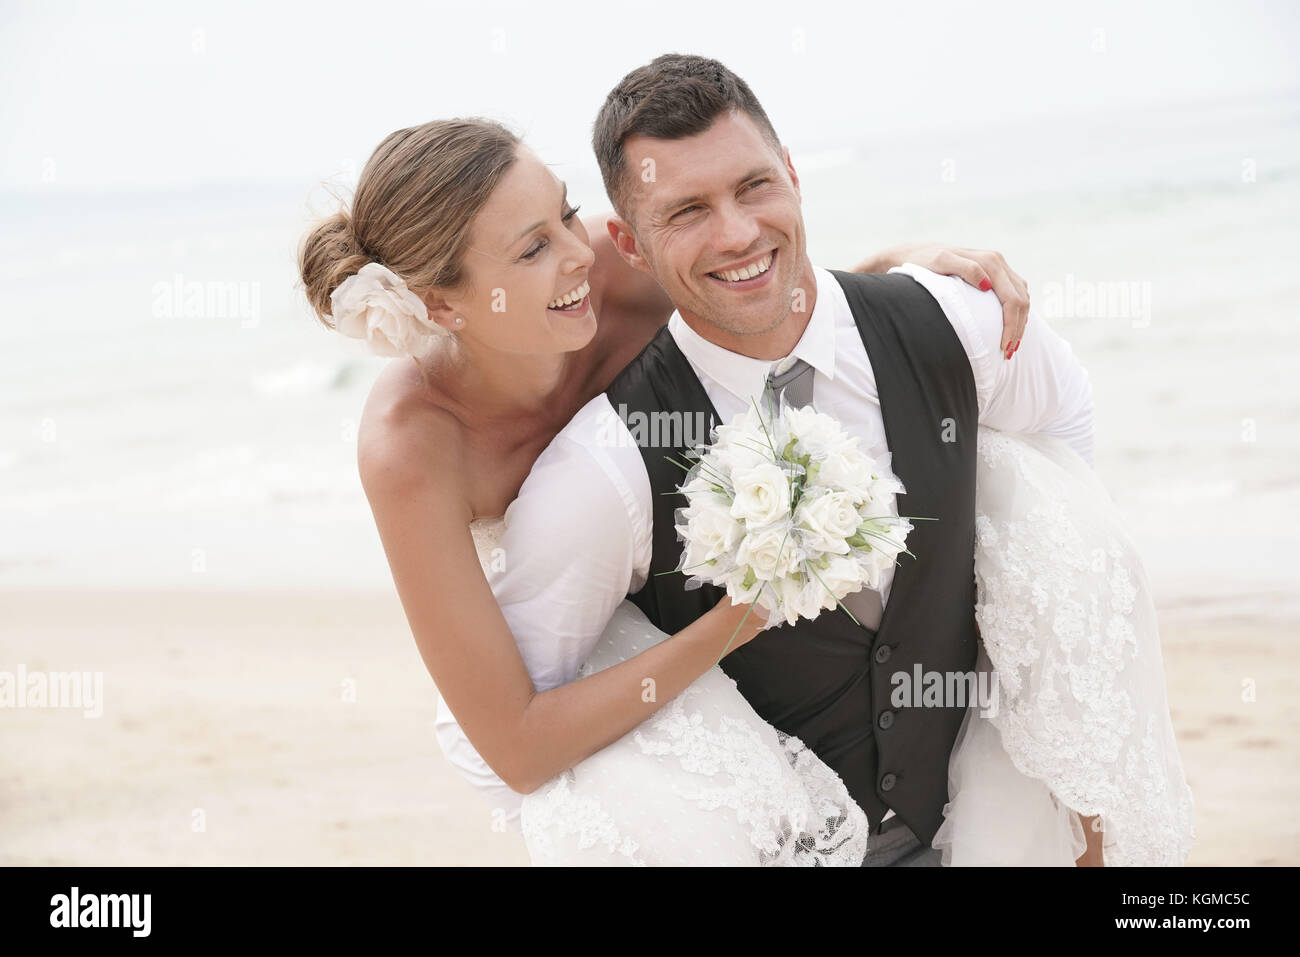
[(745, 377)]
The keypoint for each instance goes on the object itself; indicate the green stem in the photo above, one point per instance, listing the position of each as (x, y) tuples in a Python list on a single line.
[(740, 626), (763, 425)]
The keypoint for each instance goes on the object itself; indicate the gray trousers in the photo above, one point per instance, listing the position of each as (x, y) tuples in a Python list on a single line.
[(892, 844)]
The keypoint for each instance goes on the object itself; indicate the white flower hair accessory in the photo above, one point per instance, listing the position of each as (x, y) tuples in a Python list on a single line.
[(376, 306)]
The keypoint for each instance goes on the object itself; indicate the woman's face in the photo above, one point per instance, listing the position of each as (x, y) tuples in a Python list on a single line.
[(526, 267)]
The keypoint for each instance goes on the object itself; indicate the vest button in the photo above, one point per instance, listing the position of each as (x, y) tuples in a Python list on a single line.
[(882, 654), (887, 782), (886, 719)]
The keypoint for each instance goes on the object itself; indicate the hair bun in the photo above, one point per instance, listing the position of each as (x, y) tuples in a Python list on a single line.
[(328, 256), (412, 209)]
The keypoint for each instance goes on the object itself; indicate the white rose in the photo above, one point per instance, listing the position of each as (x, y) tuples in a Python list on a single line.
[(886, 484), (700, 486), (771, 552), (887, 539), (815, 600), (740, 430), (376, 306), (762, 494), (845, 466), (718, 463), (711, 531), (871, 567), (784, 599), (733, 580), (827, 519), (879, 504), (816, 431), (807, 597), (843, 576)]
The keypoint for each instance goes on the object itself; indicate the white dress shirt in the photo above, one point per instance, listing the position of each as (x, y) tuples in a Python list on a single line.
[(578, 537)]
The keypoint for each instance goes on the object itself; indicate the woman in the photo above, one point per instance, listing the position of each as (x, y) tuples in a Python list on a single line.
[(500, 316)]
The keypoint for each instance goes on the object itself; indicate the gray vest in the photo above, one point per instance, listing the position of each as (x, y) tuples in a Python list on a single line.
[(828, 681)]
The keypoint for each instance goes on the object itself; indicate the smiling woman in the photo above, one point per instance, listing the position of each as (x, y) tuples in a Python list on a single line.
[(446, 440)]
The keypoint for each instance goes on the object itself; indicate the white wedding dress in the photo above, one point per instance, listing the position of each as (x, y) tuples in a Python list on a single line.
[(704, 781), (1082, 721)]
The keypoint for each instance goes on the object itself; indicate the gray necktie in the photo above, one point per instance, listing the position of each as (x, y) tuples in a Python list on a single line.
[(796, 383)]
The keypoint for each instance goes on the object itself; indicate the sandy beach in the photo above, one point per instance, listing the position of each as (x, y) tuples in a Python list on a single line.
[(227, 711), (228, 736)]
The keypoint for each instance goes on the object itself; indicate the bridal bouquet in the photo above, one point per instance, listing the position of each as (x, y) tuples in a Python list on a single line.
[(786, 512)]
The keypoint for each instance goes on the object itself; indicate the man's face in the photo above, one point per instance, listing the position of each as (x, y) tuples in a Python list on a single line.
[(717, 220)]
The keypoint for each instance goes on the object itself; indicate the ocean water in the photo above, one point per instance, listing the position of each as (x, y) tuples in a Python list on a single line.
[(171, 414)]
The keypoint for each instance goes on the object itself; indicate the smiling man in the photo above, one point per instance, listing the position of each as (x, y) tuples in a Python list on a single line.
[(715, 217), (708, 203)]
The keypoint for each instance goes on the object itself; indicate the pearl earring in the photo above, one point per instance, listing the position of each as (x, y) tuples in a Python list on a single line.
[(460, 321)]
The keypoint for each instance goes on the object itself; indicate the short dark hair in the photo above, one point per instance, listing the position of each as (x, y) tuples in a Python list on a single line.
[(670, 98)]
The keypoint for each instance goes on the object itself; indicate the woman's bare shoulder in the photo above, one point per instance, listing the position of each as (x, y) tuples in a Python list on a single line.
[(405, 439)]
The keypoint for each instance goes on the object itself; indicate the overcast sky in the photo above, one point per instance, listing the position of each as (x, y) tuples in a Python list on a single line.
[(162, 94)]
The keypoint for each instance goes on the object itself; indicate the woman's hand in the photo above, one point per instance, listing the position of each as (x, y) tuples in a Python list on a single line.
[(738, 624), (983, 268)]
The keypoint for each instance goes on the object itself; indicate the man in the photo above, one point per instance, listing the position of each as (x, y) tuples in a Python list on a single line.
[(708, 202)]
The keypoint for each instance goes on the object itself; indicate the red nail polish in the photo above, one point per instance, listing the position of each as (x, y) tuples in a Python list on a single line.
[(985, 285)]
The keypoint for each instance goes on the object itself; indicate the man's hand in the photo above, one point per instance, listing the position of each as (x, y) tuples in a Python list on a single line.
[(982, 268)]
